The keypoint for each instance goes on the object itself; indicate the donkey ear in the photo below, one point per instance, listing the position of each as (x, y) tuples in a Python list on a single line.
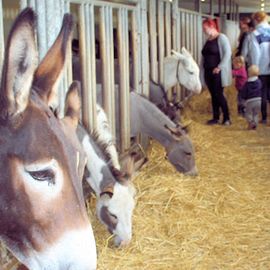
[(19, 65), (73, 104), (185, 52), (178, 55), (175, 131), (128, 167), (184, 127), (49, 71)]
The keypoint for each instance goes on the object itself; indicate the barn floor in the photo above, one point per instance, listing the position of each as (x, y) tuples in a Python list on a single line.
[(217, 220)]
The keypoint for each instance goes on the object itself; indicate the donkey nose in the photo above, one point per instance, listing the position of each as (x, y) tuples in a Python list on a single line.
[(192, 172), (198, 89), (120, 242), (124, 243)]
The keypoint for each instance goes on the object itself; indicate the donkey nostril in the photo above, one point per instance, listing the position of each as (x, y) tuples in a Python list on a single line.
[(124, 243)]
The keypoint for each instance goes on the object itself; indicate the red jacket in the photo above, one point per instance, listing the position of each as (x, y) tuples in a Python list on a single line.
[(240, 75)]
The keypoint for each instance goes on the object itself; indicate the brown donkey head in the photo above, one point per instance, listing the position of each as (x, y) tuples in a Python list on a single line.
[(43, 217)]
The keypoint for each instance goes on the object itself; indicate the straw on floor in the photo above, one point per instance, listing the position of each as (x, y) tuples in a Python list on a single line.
[(217, 220)]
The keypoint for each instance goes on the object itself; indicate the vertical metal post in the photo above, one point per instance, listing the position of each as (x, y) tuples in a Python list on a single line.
[(135, 50), (144, 48), (175, 26), (88, 64), (123, 56), (168, 30), (41, 29), (219, 7), (153, 39), (161, 43), (230, 9), (198, 6), (107, 59), (211, 8)]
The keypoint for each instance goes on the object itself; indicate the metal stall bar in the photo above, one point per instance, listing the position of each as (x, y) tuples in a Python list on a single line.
[(88, 65), (123, 56), (175, 26), (183, 43), (135, 50), (187, 30), (68, 69), (161, 42), (62, 7), (168, 30), (153, 40), (107, 60), (142, 12), (176, 16), (168, 37)]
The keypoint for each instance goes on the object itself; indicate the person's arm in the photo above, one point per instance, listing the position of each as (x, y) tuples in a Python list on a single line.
[(254, 50), (202, 71), (244, 51), (226, 49)]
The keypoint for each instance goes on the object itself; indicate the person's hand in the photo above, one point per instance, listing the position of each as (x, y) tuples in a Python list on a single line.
[(216, 70)]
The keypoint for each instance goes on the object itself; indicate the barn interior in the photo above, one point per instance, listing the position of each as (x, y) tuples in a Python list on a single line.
[(218, 219)]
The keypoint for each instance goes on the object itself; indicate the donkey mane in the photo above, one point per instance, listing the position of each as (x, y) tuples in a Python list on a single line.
[(101, 146)]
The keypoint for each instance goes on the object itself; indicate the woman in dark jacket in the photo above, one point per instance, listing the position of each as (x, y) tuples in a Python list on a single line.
[(216, 69)]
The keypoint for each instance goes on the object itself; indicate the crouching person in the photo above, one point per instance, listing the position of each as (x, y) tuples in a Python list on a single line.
[(251, 93)]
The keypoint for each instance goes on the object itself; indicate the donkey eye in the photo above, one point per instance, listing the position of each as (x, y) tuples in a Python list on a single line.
[(188, 153), (44, 175), (191, 72), (114, 217)]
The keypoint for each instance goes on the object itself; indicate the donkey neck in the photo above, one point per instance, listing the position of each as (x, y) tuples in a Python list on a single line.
[(170, 77), (100, 174), (152, 120)]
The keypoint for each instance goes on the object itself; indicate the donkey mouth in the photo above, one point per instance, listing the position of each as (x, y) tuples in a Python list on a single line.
[(190, 172)]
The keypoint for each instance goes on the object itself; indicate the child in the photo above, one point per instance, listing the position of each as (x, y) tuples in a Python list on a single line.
[(240, 74), (251, 93)]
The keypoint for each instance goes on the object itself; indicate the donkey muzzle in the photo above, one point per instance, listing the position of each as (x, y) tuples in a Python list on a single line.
[(192, 172)]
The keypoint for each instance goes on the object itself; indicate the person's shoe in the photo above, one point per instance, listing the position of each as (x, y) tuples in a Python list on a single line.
[(251, 126), (212, 122), (226, 123), (263, 121)]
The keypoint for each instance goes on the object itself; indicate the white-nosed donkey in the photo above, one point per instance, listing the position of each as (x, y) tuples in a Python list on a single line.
[(178, 68), (43, 220), (115, 192)]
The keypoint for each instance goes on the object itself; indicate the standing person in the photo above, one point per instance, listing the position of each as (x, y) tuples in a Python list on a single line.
[(260, 56), (246, 47), (216, 71), (251, 93), (244, 30), (240, 74)]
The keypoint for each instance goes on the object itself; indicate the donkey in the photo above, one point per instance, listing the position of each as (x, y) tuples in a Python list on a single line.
[(178, 68), (114, 190), (147, 119), (43, 216)]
